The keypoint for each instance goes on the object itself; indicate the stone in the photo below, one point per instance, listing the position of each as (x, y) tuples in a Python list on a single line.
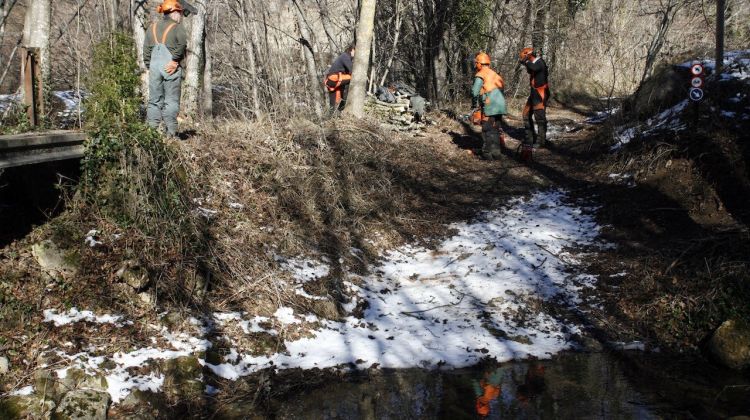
[(4, 365), (172, 319), (78, 379), (182, 377), (45, 384), (133, 275), (23, 407), (730, 344), (146, 298), (141, 405), (54, 262), (83, 404)]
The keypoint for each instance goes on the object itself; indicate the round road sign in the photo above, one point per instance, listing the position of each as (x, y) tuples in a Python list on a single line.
[(696, 94), (697, 69), (696, 82)]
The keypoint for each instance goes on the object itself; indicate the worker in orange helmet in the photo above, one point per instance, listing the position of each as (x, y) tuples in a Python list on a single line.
[(536, 105), (338, 77), (164, 47), (487, 93)]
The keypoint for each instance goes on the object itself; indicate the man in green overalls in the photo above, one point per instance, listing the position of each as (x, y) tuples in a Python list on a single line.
[(163, 50)]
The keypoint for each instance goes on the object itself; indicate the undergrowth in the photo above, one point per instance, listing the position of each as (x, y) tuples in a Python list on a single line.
[(133, 182)]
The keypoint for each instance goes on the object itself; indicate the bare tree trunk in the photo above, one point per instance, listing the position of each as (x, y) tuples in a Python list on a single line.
[(394, 46), (312, 72), (521, 44), (36, 30), (5, 7), (667, 17), (194, 62), (355, 103), (113, 17), (208, 95), (540, 23), (373, 62), (249, 37), (139, 19)]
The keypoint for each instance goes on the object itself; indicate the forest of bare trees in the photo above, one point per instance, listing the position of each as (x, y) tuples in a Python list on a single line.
[(250, 58)]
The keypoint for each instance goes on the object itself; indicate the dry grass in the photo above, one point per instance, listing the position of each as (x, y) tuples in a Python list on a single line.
[(309, 190)]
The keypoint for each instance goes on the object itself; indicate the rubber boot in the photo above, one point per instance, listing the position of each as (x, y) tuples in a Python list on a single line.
[(529, 135), (489, 140), (501, 145), (527, 153), (542, 134)]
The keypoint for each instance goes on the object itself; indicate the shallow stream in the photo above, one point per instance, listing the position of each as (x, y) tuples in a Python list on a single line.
[(570, 386)]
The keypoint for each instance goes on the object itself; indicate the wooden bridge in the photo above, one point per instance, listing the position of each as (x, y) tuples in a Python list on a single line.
[(31, 148)]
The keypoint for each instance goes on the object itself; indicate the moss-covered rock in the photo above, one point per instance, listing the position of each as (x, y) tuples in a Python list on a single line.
[(182, 377), (142, 405), (134, 275), (78, 379), (55, 262), (46, 384), (83, 404), (26, 407), (730, 344)]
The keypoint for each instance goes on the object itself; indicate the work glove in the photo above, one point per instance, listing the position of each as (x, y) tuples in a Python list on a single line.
[(171, 67)]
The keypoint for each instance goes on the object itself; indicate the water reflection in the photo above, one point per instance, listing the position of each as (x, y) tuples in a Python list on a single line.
[(570, 386)]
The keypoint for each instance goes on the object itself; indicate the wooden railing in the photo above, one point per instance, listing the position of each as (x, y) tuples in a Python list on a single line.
[(31, 148)]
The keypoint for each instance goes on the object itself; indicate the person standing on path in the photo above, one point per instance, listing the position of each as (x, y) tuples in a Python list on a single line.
[(338, 77), (487, 93), (163, 49), (536, 105)]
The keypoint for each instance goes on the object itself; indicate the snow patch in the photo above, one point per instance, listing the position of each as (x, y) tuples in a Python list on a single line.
[(91, 240), (286, 316), (74, 315), (602, 116), (305, 270), (670, 120), (462, 302), (122, 379), (25, 391)]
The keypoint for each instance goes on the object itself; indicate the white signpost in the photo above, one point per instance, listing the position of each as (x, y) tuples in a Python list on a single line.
[(696, 82), (696, 94)]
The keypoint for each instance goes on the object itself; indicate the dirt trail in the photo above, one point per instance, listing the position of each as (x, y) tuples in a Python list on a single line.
[(661, 219)]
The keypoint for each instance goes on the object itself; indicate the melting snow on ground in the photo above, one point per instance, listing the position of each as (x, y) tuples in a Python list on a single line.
[(602, 116), (736, 65), (481, 293), (670, 120), (304, 271), (74, 315)]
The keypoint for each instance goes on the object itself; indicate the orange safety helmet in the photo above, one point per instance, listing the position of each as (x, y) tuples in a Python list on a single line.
[(525, 53), (481, 59), (169, 6)]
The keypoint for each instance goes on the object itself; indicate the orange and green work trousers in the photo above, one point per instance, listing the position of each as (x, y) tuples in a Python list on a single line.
[(337, 85), (535, 110)]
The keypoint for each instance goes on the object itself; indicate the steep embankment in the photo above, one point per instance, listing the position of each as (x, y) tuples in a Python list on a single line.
[(672, 177)]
